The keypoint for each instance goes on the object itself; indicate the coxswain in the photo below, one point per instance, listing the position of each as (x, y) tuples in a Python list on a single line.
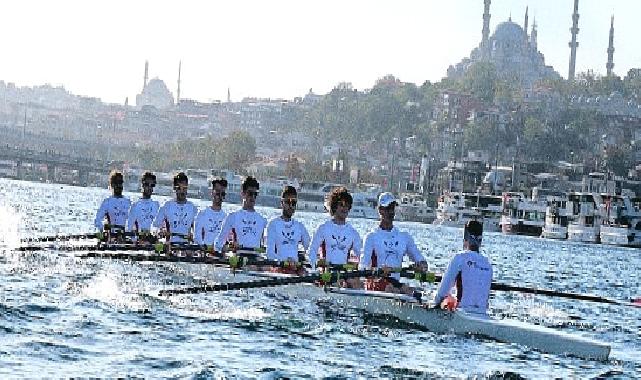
[(284, 234), (176, 217), (143, 211), (338, 242), (246, 226), (114, 209), (209, 221), (470, 272), (385, 248)]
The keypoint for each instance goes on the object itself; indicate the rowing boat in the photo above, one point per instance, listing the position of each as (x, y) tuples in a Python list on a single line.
[(408, 309)]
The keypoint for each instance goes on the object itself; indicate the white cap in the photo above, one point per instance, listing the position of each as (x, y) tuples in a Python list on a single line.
[(386, 199)]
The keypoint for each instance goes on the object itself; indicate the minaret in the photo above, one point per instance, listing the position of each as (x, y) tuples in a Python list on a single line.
[(178, 91), (486, 28), (574, 44), (144, 84), (533, 38), (610, 65), (526, 22), (228, 95)]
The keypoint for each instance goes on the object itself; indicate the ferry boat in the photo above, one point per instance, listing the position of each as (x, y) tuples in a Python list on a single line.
[(622, 222), (414, 208), (312, 197), (490, 207), (557, 214), (522, 216), (585, 217), (452, 211)]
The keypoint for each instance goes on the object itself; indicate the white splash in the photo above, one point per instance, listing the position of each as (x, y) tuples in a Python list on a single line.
[(10, 220), (106, 289)]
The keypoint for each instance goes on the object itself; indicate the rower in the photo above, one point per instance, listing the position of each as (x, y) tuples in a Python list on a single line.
[(337, 240), (144, 210), (386, 246), (114, 208), (176, 217), (246, 226), (470, 271), (209, 220), (284, 234)]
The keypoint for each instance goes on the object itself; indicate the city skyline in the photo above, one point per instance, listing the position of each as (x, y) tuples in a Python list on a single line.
[(282, 49)]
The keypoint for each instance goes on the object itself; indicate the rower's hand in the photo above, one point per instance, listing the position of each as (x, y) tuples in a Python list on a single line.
[(422, 267)]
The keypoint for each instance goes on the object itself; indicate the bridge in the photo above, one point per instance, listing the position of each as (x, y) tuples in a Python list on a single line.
[(51, 166)]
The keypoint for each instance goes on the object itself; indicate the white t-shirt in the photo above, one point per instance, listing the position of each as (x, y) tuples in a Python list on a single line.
[(388, 249), (476, 276), (178, 217), (115, 210), (208, 225), (335, 242), (142, 215), (247, 229), (283, 239)]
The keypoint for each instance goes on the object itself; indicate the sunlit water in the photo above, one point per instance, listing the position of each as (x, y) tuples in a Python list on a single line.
[(64, 316)]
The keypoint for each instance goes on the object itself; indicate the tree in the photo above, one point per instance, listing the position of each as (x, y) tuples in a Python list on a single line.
[(236, 151)]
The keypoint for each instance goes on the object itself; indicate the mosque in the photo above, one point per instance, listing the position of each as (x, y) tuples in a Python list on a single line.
[(511, 49)]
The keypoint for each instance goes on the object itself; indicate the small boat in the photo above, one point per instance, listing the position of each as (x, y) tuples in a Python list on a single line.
[(408, 309)]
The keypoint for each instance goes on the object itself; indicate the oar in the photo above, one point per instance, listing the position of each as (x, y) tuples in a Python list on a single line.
[(431, 277), (87, 235), (327, 277), (554, 293), (158, 247), (233, 261)]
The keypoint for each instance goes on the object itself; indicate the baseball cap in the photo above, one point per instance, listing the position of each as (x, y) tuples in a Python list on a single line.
[(386, 199)]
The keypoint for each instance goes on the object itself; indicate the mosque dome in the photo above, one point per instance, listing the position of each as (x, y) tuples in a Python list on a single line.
[(509, 32)]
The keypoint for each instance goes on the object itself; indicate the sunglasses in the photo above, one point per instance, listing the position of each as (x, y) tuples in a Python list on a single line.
[(344, 204), (252, 193), (220, 193), (291, 202), (152, 185)]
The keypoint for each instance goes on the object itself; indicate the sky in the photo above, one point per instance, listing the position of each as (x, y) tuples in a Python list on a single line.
[(282, 48)]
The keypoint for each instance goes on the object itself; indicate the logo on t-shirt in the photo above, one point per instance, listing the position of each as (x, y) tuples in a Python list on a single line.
[(339, 243), (288, 237), (249, 227)]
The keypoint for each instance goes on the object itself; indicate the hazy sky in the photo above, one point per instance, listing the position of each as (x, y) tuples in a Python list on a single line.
[(282, 48)]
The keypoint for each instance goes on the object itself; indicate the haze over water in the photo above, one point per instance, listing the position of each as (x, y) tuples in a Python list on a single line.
[(62, 316)]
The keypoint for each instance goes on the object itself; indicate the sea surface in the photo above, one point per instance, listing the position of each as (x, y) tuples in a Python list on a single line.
[(63, 316)]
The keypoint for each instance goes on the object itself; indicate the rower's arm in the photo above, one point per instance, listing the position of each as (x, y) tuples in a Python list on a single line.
[(131, 219), (199, 229), (314, 246), (304, 239), (271, 241), (365, 261), (100, 215), (228, 223), (413, 253), (453, 269)]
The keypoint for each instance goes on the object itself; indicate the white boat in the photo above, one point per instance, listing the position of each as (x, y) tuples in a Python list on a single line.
[(414, 208), (556, 217), (585, 218), (408, 309), (622, 221), (522, 216), (452, 211), (313, 195)]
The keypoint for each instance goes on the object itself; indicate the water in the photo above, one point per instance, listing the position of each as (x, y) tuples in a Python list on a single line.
[(62, 316)]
